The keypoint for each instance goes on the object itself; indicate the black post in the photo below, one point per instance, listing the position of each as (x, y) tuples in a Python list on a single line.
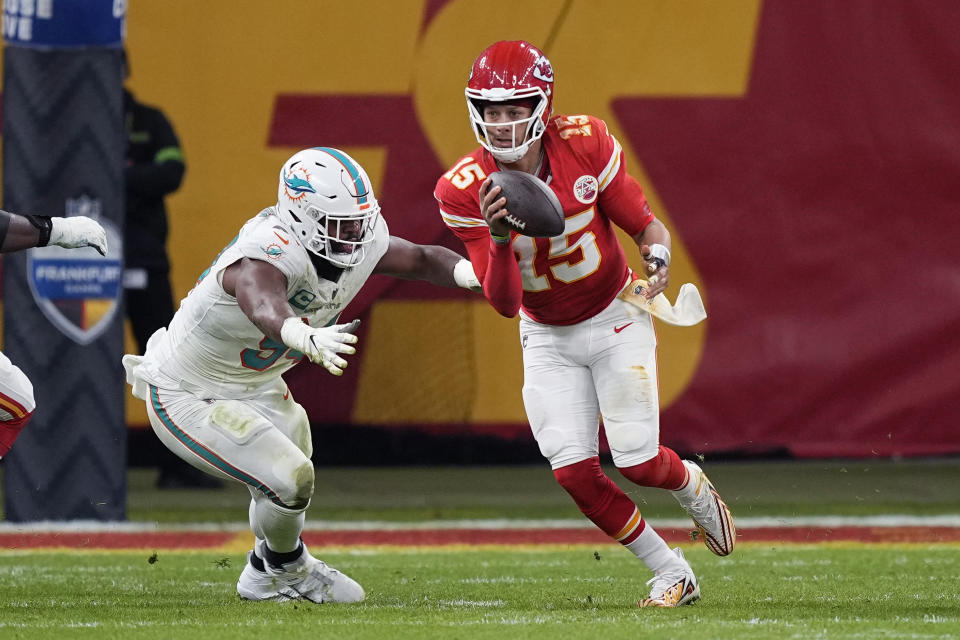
[(63, 150)]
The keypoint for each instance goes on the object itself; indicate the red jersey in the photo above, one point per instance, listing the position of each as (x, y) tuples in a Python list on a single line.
[(573, 276)]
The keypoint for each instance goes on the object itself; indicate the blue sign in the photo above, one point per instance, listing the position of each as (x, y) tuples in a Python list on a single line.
[(69, 279), (62, 24), (78, 290)]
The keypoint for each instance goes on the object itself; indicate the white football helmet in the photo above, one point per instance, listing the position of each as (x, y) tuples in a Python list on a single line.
[(327, 199)]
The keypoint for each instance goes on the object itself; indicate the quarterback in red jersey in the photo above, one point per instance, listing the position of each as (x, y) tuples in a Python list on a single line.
[(587, 352)]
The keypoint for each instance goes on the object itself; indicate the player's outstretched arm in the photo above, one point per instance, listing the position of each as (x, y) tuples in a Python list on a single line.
[(24, 232), (261, 292), (433, 263)]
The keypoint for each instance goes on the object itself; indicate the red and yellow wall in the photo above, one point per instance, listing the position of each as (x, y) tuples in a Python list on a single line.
[(804, 156)]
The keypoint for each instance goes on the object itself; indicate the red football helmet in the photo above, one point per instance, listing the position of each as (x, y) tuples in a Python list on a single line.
[(510, 72)]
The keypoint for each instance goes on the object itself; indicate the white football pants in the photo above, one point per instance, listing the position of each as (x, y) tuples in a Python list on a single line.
[(16, 391), (263, 442), (605, 365)]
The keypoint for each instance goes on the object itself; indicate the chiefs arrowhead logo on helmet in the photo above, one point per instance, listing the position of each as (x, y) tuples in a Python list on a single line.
[(542, 69)]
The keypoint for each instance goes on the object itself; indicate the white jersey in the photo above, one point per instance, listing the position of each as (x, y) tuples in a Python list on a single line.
[(213, 349)]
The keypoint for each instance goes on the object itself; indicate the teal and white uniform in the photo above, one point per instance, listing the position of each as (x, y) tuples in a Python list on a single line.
[(211, 380), (212, 349)]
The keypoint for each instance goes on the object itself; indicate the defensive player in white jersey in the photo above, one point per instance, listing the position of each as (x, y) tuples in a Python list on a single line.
[(211, 380), (24, 232)]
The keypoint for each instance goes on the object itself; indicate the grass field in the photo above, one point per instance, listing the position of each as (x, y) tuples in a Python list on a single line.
[(765, 590), (862, 487), (812, 591)]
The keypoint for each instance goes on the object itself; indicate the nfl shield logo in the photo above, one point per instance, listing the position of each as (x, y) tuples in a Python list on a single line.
[(78, 290)]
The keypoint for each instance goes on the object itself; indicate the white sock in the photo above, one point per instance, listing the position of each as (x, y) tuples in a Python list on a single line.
[(688, 492), (653, 551), (281, 527)]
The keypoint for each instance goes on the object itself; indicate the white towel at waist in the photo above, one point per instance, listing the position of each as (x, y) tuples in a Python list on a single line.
[(687, 311)]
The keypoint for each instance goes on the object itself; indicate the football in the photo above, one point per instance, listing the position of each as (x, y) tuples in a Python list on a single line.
[(534, 208)]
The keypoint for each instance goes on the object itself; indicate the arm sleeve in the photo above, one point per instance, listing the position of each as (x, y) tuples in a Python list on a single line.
[(625, 205), (164, 173), (503, 287), (497, 269)]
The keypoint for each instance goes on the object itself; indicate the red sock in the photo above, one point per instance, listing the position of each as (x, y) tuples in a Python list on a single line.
[(9, 430), (601, 500), (663, 471)]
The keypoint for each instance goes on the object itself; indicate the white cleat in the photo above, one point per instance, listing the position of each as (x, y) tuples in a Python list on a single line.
[(674, 587), (709, 511), (255, 584), (305, 578)]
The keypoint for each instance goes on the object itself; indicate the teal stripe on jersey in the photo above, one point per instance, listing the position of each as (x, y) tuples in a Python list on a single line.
[(205, 453)]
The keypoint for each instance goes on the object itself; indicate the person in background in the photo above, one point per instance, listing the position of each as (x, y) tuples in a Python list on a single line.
[(154, 169), (24, 232), (586, 351)]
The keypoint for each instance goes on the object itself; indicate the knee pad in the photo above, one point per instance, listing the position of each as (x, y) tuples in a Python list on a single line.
[(302, 485), (10, 429), (663, 471), (551, 442), (294, 486)]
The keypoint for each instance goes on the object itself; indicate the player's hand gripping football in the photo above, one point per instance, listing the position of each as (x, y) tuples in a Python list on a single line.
[(493, 206), (76, 232), (322, 346), (656, 271)]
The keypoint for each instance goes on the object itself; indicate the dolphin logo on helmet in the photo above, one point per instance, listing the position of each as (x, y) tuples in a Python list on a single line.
[(297, 185)]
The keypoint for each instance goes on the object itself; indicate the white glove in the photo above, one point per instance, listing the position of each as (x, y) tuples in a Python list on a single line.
[(322, 345), (465, 277), (76, 232)]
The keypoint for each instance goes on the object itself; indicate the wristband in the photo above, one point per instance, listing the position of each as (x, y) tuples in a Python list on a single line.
[(45, 225), (500, 240), (659, 252), (464, 275), (294, 333)]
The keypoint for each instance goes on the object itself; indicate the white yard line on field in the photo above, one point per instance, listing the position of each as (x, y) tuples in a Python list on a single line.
[(878, 521)]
